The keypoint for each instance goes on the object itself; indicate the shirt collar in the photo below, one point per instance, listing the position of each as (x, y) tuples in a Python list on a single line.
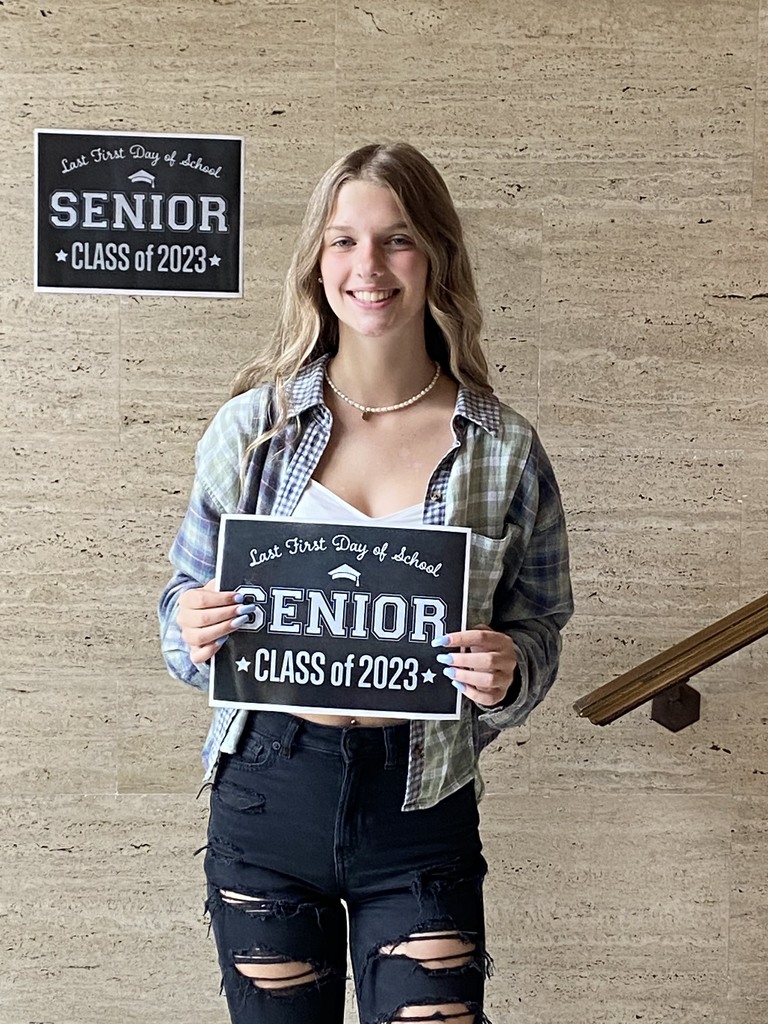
[(476, 406), (307, 387), (479, 407)]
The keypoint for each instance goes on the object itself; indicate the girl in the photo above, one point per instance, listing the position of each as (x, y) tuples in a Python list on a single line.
[(378, 409)]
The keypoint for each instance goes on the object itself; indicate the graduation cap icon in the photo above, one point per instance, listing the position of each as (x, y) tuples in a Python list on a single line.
[(142, 176), (345, 572)]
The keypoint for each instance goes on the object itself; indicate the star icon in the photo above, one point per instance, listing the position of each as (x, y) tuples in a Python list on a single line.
[(243, 665), (215, 261), (61, 256), (428, 676)]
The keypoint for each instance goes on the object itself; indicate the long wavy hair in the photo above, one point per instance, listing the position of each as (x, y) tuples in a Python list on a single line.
[(307, 327)]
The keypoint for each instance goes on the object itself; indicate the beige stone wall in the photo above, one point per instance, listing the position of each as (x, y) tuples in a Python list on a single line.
[(610, 159)]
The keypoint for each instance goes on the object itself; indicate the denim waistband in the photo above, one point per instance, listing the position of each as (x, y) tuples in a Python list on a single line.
[(389, 742)]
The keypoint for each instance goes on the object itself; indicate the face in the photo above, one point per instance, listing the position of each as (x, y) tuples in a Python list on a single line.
[(373, 273)]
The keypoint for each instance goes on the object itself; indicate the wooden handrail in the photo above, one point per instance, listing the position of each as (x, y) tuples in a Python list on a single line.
[(670, 670)]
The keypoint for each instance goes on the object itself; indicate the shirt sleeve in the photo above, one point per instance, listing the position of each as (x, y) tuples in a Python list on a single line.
[(533, 600), (193, 556), (215, 490), (218, 487)]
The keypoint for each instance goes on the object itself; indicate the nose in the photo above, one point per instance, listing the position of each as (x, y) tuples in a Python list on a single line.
[(369, 260)]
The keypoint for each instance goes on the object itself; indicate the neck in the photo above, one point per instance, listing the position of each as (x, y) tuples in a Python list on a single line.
[(376, 373)]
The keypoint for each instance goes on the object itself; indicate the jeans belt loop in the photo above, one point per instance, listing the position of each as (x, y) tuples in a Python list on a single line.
[(286, 743), (390, 746)]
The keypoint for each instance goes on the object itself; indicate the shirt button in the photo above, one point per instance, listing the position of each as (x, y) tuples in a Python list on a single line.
[(276, 745), (436, 496)]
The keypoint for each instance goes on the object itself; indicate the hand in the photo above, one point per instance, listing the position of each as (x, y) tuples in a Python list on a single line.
[(207, 616), (484, 671)]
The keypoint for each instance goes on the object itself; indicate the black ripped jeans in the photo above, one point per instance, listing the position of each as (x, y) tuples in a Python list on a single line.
[(305, 816)]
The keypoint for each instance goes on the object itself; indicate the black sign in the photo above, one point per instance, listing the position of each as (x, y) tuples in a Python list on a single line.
[(141, 213), (344, 616)]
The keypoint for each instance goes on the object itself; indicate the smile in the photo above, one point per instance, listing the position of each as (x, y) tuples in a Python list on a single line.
[(379, 296)]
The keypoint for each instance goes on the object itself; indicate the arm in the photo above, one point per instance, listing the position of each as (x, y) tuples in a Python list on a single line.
[(193, 555), (195, 618), (533, 602), (510, 665)]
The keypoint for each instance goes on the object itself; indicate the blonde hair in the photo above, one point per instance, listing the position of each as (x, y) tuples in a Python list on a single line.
[(307, 327)]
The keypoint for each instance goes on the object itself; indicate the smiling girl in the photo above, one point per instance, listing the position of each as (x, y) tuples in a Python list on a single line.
[(371, 404)]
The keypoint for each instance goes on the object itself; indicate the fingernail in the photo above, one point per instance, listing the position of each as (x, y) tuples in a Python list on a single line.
[(450, 672), (459, 686), (221, 640), (445, 659), (441, 641), (240, 621), (241, 598)]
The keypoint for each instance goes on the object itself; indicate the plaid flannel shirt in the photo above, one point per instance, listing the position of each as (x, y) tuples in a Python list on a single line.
[(496, 480)]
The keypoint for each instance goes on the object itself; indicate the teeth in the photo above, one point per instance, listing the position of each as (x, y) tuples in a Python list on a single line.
[(373, 296)]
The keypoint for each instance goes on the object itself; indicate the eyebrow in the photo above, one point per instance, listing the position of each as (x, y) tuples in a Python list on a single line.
[(400, 226)]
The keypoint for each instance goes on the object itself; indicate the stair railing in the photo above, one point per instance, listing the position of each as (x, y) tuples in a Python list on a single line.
[(663, 679)]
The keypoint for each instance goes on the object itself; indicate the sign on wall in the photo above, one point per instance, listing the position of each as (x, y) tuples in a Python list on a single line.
[(145, 213), (343, 616)]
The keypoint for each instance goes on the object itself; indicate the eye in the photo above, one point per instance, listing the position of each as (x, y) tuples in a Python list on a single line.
[(401, 241), (341, 243)]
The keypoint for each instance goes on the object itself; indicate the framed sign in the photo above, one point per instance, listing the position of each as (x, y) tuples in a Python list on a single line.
[(342, 616), (145, 213)]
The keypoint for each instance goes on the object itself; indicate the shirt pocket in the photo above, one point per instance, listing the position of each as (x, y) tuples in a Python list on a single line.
[(486, 568)]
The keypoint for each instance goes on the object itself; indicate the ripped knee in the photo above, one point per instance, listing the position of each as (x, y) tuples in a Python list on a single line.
[(251, 904), (450, 1013), (271, 971), (434, 950), (264, 968)]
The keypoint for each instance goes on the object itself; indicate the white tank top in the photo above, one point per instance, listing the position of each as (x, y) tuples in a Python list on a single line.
[(317, 503)]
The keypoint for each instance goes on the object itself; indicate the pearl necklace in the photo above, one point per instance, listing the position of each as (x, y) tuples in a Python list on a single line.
[(367, 410)]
